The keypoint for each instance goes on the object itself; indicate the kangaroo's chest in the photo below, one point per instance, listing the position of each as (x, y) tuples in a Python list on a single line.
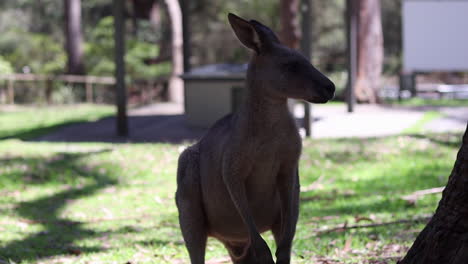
[(277, 148), (272, 157)]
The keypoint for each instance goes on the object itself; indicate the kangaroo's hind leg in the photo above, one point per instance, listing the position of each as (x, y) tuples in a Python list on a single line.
[(189, 203)]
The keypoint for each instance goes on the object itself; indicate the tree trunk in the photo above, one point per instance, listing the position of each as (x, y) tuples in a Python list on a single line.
[(186, 32), (38, 14), (445, 238), (165, 43), (370, 51), (119, 58), (74, 39), (176, 85), (290, 33)]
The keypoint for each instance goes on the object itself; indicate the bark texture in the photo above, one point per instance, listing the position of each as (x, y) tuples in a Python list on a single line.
[(445, 238), (176, 85), (165, 43), (370, 51), (143, 8), (290, 33), (74, 37)]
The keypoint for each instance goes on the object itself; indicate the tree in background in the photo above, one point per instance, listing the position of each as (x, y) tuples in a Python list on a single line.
[(290, 33), (150, 9), (370, 51), (21, 21), (391, 22), (208, 24), (74, 38), (156, 12), (176, 93), (445, 238)]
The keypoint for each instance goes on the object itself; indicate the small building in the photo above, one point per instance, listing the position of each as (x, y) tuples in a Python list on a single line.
[(212, 91)]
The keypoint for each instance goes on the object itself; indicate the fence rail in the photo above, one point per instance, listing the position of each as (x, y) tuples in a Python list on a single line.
[(65, 78), (88, 80)]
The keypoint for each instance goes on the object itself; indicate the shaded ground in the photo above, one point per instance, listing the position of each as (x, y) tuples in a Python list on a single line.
[(154, 123), (157, 128), (28, 122), (166, 123)]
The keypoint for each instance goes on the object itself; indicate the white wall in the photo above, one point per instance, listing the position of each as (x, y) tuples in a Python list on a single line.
[(435, 35)]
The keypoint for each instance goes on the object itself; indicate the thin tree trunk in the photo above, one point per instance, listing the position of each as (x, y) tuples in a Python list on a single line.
[(290, 31), (74, 39), (186, 32), (119, 57), (370, 51), (176, 85), (165, 43), (445, 238), (38, 14)]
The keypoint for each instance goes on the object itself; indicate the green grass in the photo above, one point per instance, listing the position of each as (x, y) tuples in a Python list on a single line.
[(418, 102), (106, 203), (114, 203), (418, 127), (29, 122)]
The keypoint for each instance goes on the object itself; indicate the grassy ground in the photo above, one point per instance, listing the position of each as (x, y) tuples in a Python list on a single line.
[(109, 203), (419, 126), (419, 102), (416, 102)]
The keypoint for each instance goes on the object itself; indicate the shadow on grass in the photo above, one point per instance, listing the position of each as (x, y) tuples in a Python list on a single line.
[(60, 168), (447, 139), (382, 193), (28, 134), (379, 196), (58, 234), (156, 242), (142, 129)]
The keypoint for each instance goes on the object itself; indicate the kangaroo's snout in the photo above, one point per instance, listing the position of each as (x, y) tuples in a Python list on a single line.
[(329, 90), (323, 91), (326, 93)]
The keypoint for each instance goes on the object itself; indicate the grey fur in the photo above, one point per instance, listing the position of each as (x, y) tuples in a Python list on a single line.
[(241, 178)]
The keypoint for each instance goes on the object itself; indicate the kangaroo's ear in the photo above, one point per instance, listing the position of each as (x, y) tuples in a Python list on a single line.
[(245, 32)]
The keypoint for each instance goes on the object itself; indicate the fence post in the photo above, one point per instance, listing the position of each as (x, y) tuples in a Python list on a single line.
[(11, 91), (48, 92), (352, 42), (2, 92), (306, 11), (89, 92)]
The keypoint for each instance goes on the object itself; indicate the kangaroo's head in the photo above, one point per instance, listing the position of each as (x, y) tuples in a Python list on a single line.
[(280, 71)]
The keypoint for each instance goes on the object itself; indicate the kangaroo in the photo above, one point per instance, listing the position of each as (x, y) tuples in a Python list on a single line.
[(241, 179)]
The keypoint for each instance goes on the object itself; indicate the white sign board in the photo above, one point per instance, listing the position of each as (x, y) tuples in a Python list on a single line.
[(435, 35)]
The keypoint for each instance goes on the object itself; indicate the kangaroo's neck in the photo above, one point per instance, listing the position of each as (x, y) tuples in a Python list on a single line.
[(260, 111)]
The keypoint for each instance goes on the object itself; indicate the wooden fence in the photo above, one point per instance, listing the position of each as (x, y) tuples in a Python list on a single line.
[(88, 81)]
